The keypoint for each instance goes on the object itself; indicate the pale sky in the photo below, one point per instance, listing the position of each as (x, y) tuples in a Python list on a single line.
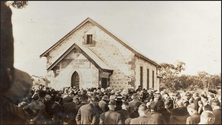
[(164, 31)]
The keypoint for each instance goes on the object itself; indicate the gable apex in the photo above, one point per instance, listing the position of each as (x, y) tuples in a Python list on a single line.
[(88, 19)]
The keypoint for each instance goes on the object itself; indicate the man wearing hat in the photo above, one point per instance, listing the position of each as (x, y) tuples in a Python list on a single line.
[(40, 108), (111, 116), (216, 106), (103, 104), (154, 116), (194, 117), (132, 104), (68, 110), (196, 98), (142, 119), (88, 114), (118, 101), (179, 114), (124, 112)]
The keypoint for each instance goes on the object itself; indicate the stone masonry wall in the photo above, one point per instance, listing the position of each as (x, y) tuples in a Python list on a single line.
[(146, 65), (124, 63), (88, 76), (116, 56), (76, 37)]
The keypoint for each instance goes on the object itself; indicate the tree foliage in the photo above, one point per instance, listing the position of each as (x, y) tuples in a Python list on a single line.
[(18, 4), (173, 80)]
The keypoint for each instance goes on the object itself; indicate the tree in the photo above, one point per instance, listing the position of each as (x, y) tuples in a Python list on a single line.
[(170, 74), (18, 4)]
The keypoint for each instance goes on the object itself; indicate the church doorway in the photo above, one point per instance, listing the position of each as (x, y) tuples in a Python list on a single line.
[(75, 80), (104, 83)]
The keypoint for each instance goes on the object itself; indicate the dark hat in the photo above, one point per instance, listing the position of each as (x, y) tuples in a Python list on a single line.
[(119, 98), (112, 102), (105, 97), (160, 104), (42, 93), (212, 91), (68, 99), (84, 97), (203, 96)]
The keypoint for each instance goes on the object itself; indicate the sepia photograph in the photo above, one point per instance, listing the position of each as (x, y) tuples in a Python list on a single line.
[(110, 62)]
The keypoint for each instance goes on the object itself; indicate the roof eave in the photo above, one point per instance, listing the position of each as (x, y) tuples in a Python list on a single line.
[(70, 49), (105, 30), (63, 38)]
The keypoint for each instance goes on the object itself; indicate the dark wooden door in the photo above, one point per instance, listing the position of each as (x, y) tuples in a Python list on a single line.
[(104, 83), (75, 79)]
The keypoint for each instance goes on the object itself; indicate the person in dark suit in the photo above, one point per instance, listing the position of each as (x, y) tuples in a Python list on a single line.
[(194, 117), (132, 104), (135, 113), (216, 111), (168, 102), (195, 101), (162, 110), (119, 101), (68, 111), (124, 112), (39, 109), (88, 114), (103, 104), (48, 106), (84, 101), (154, 116), (179, 114), (142, 119), (56, 107), (111, 116)]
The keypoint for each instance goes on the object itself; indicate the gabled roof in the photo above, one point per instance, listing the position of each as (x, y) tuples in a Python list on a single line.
[(87, 53), (138, 54)]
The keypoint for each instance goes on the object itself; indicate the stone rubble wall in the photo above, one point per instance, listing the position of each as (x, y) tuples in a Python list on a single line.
[(88, 77), (125, 64), (76, 37), (116, 56), (146, 65)]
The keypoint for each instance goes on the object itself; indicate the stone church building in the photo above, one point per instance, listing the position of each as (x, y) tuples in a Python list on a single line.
[(91, 56)]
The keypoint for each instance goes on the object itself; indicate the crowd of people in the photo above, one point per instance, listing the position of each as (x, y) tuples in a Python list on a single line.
[(72, 105)]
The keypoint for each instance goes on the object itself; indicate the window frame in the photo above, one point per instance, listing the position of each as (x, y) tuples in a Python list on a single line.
[(89, 41)]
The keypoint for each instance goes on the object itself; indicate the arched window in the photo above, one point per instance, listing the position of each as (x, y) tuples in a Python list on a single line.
[(75, 80)]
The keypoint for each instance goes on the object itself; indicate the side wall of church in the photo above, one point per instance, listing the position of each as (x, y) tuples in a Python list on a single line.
[(145, 65)]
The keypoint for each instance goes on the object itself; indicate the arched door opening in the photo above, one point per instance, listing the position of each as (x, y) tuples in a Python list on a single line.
[(75, 80)]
